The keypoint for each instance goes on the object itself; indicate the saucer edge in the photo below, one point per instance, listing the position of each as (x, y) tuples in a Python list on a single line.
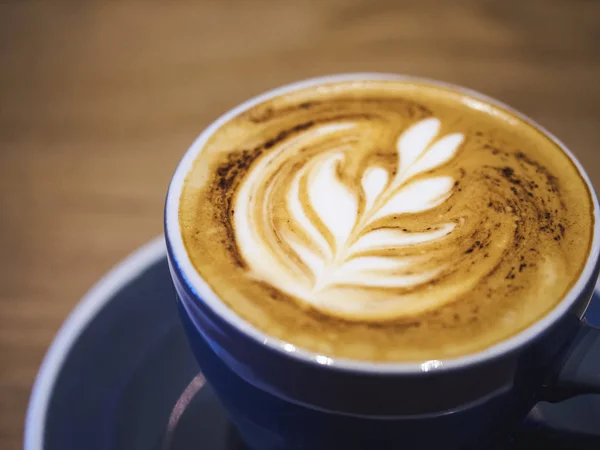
[(85, 311), (75, 324)]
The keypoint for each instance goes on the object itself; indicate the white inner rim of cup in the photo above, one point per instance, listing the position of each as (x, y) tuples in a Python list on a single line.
[(203, 290)]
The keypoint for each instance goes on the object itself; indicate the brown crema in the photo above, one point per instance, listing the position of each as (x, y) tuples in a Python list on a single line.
[(387, 221)]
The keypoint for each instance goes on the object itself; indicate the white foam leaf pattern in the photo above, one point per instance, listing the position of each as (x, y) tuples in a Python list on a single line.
[(312, 260), (333, 202), (298, 213), (337, 206), (373, 182), (384, 281), (338, 245), (393, 238), (417, 196), (439, 153), (388, 272), (414, 141)]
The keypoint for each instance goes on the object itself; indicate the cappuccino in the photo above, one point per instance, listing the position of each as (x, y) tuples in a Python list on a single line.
[(385, 220)]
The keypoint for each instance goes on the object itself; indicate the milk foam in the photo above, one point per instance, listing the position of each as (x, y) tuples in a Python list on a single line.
[(385, 220), (332, 207)]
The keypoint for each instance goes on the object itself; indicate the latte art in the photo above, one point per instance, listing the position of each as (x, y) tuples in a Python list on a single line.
[(347, 235), (385, 220)]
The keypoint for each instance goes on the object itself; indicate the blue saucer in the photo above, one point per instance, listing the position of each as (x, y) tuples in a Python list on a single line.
[(119, 376)]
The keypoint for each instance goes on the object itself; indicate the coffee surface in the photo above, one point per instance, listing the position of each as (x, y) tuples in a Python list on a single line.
[(385, 220)]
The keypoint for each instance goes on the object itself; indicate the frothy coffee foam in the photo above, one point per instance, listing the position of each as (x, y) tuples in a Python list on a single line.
[(385, 220), (342, 237)]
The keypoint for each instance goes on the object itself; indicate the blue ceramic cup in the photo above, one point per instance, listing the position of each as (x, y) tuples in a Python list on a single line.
[(281, 398)]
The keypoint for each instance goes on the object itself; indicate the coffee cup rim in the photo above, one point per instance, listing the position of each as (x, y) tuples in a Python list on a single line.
[(202, 290)]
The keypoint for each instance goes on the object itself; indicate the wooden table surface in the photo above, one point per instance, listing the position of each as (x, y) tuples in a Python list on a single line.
[(98, 101)]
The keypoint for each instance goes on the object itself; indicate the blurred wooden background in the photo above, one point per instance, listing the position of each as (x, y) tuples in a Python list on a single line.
[(98, 101)]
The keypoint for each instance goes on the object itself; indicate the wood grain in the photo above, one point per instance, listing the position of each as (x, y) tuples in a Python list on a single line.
[(98, 101)]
